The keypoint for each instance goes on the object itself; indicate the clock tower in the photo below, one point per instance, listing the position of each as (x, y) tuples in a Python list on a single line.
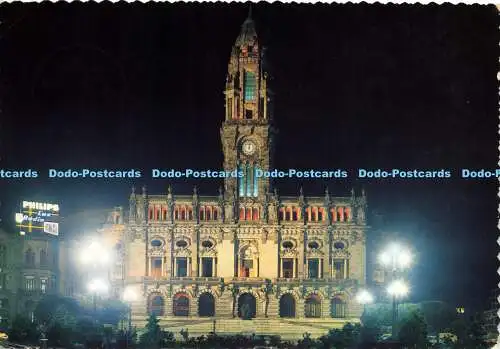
[(247, 132)]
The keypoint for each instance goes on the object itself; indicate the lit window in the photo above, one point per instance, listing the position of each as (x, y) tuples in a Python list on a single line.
[(313, 266), (43, 285), (250, 85), (29, 284)]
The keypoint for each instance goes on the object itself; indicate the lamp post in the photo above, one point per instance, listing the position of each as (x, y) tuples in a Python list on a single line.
[(96, 287), (95, 255), (396, 259), (364, 297), (129, 296), (397, 289)]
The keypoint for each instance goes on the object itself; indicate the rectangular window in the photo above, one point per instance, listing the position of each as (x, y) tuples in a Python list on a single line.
[(250, 86), (255, 183), (248, 179), (339, 269), (288, 268), (156, 266), (313, 268), (207, 267), (43, 285), (29, 284), (246, 269), (181, 266), (242, 180)]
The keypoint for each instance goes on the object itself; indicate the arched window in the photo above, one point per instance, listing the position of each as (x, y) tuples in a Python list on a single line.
[(314, 216), (43, 258), (255, 214), (320, 214), (338, 308), (281, 214), (313, 306), (215, 214), (287, 305), (206, 305), (333, 212), (156, 305), (340, 215), (347, 214), (181, 304), (209, 213), (242, 214)]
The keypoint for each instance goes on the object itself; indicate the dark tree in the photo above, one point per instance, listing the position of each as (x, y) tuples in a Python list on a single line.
[(413, 331)]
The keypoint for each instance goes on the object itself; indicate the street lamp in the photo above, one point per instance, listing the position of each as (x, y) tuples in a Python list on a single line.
[(364, 297), (396, 258), (95, 254), (129, 296), (397, 289), (97, 286)]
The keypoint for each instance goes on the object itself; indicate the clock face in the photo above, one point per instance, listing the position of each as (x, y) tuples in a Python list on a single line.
[(248, 147)]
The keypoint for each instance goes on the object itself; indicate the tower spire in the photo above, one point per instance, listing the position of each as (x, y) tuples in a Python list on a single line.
[(249, 12)]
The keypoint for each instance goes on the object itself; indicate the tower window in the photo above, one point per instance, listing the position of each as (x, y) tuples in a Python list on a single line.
[(248, 114), (250, 85), (230, 108)]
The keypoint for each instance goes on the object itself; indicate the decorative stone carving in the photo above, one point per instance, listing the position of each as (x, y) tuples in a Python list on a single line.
[(221, 203), (265, 206), (132, 206), (195, 203), (235, 206), (360, 215)]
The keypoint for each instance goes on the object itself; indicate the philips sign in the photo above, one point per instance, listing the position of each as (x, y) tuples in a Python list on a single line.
[(38, 217)]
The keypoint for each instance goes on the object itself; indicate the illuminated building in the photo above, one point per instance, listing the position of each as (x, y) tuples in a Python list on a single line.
[(290, 264)]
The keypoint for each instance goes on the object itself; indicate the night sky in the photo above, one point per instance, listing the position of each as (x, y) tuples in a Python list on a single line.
[(357, 86)]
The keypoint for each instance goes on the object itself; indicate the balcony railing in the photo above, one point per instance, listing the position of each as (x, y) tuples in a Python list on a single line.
[(152, 279)]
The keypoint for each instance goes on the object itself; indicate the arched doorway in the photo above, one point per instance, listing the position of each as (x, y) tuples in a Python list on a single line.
[(156, 305), (181, 305), (247, 306), (312, 306), (206, 305), (287, 305), (337, 308)]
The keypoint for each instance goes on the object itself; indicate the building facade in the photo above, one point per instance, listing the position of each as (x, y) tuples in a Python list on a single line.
[(29, 269), (246, 259)]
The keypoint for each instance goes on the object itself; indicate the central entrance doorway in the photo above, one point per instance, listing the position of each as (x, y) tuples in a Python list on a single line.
[(247, 306)]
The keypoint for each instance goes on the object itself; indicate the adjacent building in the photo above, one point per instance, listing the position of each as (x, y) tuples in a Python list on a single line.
[(29, 269)]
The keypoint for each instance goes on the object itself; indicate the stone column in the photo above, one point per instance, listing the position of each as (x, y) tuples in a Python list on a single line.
[(300, 262)]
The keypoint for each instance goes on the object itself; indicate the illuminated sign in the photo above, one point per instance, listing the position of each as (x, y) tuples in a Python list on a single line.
[(38, 217), (40, 206)]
